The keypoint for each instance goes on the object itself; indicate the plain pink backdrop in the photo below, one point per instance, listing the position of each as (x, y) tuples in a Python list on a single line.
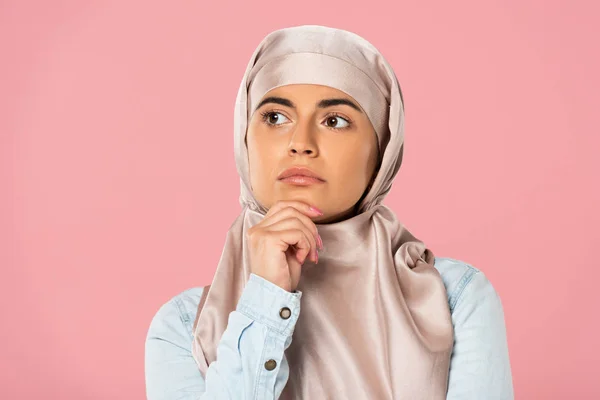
[(118, 178)]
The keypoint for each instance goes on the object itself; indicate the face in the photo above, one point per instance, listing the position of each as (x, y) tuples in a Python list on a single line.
[(314, 127)]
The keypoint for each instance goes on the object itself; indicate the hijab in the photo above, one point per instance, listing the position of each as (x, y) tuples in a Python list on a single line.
[(374, 321)]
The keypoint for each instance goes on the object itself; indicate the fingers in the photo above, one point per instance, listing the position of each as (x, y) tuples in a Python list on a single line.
[(293, 222), (299, 205), (287, 215), (289, 212), (294, 237), (286, 224), (301, 210)]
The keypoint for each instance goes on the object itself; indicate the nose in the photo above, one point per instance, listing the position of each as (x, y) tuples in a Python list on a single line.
[(302, 142)]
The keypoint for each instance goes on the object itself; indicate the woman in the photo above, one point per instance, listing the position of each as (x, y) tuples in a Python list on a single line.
[(321, 293)]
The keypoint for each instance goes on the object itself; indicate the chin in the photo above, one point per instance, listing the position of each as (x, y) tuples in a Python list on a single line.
[(298, 194)]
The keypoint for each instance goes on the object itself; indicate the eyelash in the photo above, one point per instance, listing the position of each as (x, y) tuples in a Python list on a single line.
[(265, 115)]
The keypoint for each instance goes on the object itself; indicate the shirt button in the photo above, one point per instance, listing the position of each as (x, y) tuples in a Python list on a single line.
[(285, 313), (270, 365)]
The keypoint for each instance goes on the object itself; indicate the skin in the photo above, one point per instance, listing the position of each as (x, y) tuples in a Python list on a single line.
[(337, 142)]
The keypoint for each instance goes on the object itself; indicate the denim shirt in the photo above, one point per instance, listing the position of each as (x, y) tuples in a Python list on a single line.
[(255, 335)]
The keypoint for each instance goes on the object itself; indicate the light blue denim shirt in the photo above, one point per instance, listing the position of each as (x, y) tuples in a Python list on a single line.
[(479, 365)]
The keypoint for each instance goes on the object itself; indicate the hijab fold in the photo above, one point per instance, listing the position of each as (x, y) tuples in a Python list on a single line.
[(374, 321)]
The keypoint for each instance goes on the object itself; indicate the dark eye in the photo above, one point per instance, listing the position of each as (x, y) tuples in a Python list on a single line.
[(274, 118), (333, 120)]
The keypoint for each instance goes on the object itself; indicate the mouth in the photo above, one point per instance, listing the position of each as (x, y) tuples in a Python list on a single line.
[(300, 180), (300, 176)]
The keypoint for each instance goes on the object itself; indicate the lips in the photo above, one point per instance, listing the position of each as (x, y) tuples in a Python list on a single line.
[(300, 171)]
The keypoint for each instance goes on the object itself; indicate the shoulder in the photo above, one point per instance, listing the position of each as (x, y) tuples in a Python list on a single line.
[(464, 283), (177, 314)]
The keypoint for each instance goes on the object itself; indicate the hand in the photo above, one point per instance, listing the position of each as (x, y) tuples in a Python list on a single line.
[(282, 241)]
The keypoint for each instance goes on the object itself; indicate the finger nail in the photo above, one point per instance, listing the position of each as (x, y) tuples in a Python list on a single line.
[(320, 241), (316, 210)]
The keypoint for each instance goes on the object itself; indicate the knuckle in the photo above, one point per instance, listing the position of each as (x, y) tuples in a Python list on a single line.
[(253, 234), (290, 209), (282, 203)]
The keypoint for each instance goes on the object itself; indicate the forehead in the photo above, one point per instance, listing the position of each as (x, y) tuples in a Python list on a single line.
[(307, 92), (309, 96)]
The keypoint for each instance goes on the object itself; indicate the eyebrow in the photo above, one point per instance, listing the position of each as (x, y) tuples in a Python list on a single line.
[(321, 104)]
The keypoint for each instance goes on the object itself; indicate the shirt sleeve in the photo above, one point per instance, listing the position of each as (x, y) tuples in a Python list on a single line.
[(250, 362), (479, 365)]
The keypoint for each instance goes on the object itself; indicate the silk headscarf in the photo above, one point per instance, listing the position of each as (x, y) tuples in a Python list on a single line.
[(374, 321)]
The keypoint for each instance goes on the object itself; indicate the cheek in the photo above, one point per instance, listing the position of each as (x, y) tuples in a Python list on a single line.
[(261, 158), (351, 166)]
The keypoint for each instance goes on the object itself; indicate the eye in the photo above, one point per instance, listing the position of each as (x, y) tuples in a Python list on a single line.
[(273, 117), (333, 121)]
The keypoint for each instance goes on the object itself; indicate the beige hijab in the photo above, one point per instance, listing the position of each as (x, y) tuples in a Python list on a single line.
[(374, 320)]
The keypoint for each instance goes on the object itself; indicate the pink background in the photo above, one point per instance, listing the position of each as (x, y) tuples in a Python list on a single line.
[(118, 179)]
